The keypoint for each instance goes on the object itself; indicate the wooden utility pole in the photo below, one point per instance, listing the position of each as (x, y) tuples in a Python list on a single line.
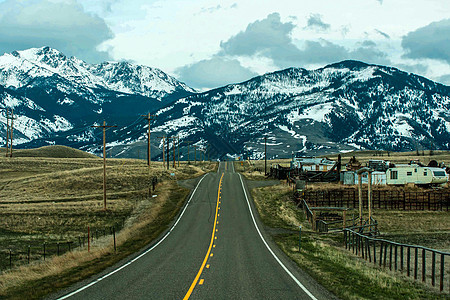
[(195, 154), (178, 147), (173, 148), (11, 129), (163, 147), (360, 199), (369, 196), (168, 153), (189, 145), (7, 132), (11, 132), (104, 161), (149, 118), (265, 155)]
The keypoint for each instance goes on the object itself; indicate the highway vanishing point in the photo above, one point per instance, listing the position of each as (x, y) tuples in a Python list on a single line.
[(216, 249)]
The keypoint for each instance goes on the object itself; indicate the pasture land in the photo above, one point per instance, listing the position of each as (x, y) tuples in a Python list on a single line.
[(54, 200), (325, 259)]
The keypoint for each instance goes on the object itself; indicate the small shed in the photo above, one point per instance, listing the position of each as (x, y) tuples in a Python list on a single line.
[(351, 178)]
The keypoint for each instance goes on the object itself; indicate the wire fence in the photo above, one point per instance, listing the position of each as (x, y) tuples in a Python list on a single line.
[(41, 251)]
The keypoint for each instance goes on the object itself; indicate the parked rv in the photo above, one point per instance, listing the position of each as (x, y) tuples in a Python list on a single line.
[(420, 175)]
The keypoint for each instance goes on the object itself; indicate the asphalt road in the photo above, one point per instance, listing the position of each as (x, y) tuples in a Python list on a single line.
[(217, 250)]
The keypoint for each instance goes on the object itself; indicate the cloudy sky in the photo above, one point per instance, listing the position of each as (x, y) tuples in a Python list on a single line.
[(209, 43)]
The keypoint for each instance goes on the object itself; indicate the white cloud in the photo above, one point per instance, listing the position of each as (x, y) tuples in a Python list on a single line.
[(171, 34), (63, 25)]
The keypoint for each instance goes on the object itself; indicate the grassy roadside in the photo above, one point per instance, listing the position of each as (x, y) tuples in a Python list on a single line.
[(54, 199), (324, 258), (40, 279)]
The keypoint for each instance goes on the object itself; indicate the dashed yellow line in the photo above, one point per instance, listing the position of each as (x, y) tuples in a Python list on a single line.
[(201, 281), (208, 253)]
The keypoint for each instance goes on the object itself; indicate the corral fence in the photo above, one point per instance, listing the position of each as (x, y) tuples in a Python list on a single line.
[(381, 199), (421, 263), (339, 225), (38, 250)]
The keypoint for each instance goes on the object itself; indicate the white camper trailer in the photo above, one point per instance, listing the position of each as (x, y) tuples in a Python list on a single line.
[(312, 164), (403, 174)]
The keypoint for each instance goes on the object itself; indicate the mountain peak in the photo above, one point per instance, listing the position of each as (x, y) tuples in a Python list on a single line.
[(21, 67)]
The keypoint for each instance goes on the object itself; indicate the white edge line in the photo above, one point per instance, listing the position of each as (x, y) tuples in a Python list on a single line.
[(270, 250), (138, 257)]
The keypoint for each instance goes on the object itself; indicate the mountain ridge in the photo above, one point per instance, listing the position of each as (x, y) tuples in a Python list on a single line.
[(340, 107)]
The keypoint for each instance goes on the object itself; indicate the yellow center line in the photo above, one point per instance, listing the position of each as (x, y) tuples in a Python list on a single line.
[(194, 283)]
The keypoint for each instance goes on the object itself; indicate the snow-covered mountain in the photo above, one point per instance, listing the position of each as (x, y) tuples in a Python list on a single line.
[(21, 68), (341, 107), (53, 94), (344, 106)]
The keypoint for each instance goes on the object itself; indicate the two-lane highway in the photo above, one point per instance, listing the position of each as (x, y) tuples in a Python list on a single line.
[(216, 250)]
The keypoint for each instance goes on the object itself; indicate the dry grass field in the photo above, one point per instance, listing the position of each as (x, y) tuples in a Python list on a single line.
[(325, 259), (54, 200)]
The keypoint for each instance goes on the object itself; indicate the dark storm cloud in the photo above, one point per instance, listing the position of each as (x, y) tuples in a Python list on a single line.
[(61, 25), (383, 34), (369, 53), (315, 22), (431, 41), (272, 38), (322, 52), (269, 36), (214, 72)]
